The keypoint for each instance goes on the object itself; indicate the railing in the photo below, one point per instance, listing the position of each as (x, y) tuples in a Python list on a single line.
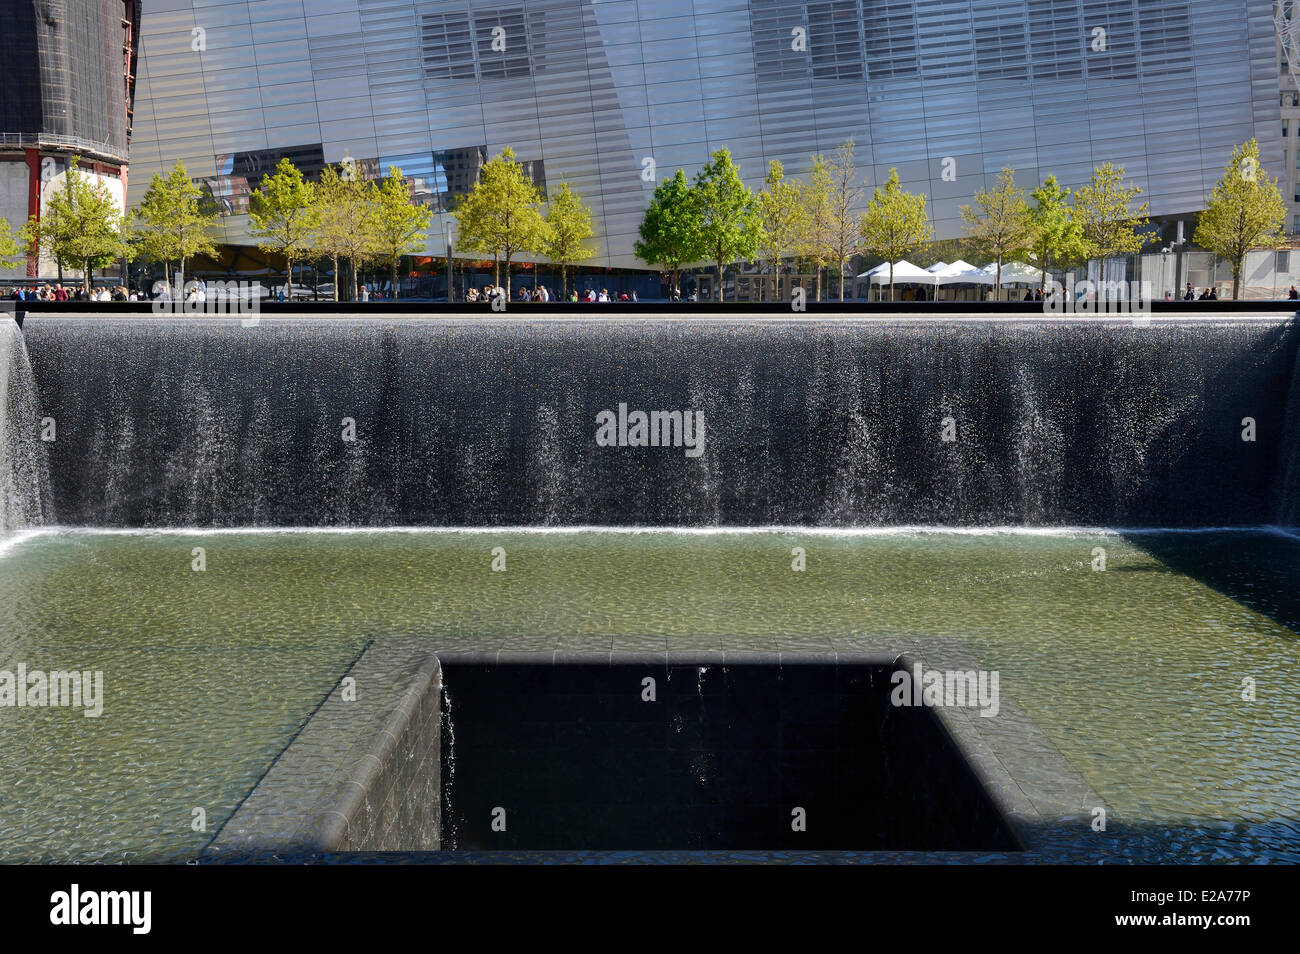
[(98, 150)]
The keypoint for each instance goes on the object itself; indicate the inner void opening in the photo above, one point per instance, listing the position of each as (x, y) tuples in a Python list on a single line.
[(646, 756)]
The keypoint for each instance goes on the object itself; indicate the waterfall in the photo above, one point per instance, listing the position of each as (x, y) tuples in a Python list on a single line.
[(472, 422), (1288, 481), (24, 472)]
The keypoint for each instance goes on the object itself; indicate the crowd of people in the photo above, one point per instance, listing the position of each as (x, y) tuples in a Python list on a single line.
[(1209, 294), (197, 291), (543, 294), (60, 292)]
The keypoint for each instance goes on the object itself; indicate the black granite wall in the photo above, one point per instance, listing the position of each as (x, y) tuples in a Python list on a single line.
[(575, 756)]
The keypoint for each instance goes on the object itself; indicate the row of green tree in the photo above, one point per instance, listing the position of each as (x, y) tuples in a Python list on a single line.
[(342, 218), (348, 220), (814, 224), (717, 219)]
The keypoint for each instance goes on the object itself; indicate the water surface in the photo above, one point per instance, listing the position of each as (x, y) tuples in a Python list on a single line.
[(1134, 673)]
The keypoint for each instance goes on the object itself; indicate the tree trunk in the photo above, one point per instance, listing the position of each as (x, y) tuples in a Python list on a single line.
[(336, 277), (1236, 278), (182, 274), (997, 280), (85, 276), (819, 281), (891, 281), (395, 281), (507, 263), (564, 282), (841, 281), (496, 269)]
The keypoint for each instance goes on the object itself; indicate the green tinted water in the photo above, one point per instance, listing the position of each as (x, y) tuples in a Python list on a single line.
[(1135, 673)]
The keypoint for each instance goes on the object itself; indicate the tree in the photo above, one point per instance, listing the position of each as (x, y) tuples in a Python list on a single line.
[(783, 216), (894, 224), (1056, 236), (83, 224), (171, 223), (501, 215), (1002, 227), (730, 226), (817, 217), (16, 246), (399, 224), (839, 227), (345, 223), (942, 250), (670, 228), (284, 214), (568, 224), (1245, 211), (1101, 209)]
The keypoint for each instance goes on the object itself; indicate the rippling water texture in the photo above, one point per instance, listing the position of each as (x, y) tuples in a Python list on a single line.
[(1135, 673)]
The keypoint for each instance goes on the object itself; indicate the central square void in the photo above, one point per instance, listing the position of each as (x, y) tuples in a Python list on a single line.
[(658, 755)]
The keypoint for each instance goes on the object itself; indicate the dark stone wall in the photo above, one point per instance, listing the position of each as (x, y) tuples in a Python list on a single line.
[(574, 756)]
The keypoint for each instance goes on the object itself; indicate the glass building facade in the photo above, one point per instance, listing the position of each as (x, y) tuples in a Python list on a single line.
[(612, 96)]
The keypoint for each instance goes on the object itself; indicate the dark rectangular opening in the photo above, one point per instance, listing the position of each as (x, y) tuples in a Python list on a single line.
[(582, 756)]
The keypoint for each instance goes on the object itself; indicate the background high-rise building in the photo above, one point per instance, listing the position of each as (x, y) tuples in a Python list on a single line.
[(66, 87), (612, 96), (594, 92)]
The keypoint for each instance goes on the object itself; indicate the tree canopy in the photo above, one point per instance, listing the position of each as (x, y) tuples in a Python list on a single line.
[(1057, 237), (894, 224), (1102, 210), (730, 227), (670, 233), (569, 226), (399, 225), (1245, 211), (173, 223), (1000, 224), (501, 215), (283, 215), (82, 224)]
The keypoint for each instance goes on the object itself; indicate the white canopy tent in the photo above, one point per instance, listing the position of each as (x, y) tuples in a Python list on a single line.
[(905, 273), (936, 267), (1015, 273), (963, 273)]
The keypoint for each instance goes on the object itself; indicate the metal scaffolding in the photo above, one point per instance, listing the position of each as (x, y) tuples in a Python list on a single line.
[(1286, 23)]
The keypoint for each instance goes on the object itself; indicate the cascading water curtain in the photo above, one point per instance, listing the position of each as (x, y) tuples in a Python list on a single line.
[(24, 472)]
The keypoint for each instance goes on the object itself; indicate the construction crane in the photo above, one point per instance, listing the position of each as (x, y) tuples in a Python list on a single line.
[(1286, 23)]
